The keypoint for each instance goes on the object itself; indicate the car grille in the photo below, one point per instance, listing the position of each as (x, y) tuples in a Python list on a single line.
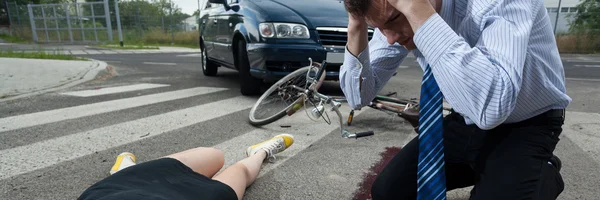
[(334, 36)]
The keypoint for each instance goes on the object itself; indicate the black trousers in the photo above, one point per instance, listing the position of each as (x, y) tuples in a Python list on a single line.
[(507, 162)]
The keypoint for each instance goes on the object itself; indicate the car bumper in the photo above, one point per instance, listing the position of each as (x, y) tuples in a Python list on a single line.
[(271, 62)]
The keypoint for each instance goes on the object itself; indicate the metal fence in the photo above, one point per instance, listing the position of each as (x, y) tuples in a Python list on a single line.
[(96, 22), (50, 20)]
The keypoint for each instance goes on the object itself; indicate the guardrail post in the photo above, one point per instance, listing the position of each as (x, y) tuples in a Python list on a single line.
[(68, 22), (32, 21), (56, 22), (108, 25), (45, 25), (118, 22)]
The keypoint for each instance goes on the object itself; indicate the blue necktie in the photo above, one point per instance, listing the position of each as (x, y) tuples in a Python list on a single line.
[(431, 178)]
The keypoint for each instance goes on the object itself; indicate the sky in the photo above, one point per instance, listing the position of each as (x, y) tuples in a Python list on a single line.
[(188, 6)]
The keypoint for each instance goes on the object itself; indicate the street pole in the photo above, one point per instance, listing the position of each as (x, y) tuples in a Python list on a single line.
[(119, 22), (557, 13), (10, 24), (107, 15), (171, 25), (139, 24)]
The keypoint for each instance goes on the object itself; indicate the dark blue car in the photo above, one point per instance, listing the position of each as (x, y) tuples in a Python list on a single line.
[(267, 39)]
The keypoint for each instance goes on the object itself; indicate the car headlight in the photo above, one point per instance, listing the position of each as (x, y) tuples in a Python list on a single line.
[(283, 30)]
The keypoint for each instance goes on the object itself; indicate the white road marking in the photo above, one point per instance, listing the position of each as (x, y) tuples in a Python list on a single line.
[(582, 79), (113, 90), (596, 66), (584, 61), (27, 158), (158, 63), (45, 117), (305, 132), (583, 130), (190, 55)]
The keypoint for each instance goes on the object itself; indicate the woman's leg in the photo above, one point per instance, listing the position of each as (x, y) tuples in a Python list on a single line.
[(205, 161), (243, 173)]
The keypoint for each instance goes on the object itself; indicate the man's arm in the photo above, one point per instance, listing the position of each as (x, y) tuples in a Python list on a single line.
[(364, 75), (482, 81)]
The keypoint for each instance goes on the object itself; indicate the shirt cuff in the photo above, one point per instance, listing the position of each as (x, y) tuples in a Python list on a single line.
[(434, 37), (357, 68)]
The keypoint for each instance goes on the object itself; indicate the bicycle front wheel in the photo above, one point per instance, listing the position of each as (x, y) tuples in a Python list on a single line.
[(273, 104)]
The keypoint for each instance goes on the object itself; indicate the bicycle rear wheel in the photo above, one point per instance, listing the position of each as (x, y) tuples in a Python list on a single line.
[(263, 113)]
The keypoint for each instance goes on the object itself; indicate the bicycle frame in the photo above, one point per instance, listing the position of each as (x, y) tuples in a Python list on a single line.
[(311, 92), (406, 109)]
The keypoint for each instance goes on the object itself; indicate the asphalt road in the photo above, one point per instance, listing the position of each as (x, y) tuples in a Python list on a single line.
[(59, 144)]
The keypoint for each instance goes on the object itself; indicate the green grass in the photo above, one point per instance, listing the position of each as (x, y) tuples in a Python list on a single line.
[(11, 39), (37, 55)]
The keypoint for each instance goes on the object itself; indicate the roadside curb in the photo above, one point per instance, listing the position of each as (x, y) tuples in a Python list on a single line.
[(82, 77)]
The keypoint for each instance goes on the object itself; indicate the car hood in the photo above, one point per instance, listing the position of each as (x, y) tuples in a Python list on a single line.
[(315, 13)]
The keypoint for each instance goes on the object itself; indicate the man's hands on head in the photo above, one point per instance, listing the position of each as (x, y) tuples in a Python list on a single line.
[(357, 34), (416, 11)]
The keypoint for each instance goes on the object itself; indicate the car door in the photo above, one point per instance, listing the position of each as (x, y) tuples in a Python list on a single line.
[(210, 29), (230, 19), (221, 40)]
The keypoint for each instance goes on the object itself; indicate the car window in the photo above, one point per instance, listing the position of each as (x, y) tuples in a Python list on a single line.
[(213, 5)]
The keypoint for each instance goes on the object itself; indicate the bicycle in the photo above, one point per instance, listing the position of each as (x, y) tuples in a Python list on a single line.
[(306, 91)]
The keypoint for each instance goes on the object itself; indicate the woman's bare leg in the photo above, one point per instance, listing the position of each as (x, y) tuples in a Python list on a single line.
[(205, 161), (243, 173)]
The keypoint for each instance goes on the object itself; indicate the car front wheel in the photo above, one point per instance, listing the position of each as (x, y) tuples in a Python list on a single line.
[(249, 85)]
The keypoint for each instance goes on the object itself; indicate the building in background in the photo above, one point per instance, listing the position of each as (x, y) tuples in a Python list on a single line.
[(190, 24), (565, 13)]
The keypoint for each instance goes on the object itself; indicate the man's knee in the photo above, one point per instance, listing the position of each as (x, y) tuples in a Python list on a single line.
[(380, 190)]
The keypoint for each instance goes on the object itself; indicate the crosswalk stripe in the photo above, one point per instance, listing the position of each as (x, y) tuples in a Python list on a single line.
[(596, 66), (582, 128), (305, 132), (159, 63), (190, 55), (45, 117), (585, 61), (113, 90), (24, 159)]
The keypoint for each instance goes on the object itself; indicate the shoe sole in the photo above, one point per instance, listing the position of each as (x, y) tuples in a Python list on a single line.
[(119, 160)]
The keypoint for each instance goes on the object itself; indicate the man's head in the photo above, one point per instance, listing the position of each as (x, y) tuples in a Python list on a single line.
[(380, 14)]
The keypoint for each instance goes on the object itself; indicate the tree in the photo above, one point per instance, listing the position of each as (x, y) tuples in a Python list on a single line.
[(586, 24), (587, 17), (3, 13)]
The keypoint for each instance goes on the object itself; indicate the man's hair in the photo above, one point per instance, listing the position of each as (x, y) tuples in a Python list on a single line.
[(360, 8), (357, 8)]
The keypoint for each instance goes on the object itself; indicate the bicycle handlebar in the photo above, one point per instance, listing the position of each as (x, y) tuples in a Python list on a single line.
[(361, 134)]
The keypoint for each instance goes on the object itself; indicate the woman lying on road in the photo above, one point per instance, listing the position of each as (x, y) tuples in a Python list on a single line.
[(185, 175)]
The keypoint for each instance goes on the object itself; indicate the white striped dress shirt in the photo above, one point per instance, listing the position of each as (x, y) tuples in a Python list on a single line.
[(494, 61)]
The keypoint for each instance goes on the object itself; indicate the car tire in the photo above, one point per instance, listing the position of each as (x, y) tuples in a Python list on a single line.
[(249, 85), (209, 68)]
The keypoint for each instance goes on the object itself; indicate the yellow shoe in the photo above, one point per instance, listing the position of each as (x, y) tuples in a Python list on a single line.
[(123, 161), (272, 146)]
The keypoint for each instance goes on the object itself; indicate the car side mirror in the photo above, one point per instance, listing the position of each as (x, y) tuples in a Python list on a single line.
[(224, 2)]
